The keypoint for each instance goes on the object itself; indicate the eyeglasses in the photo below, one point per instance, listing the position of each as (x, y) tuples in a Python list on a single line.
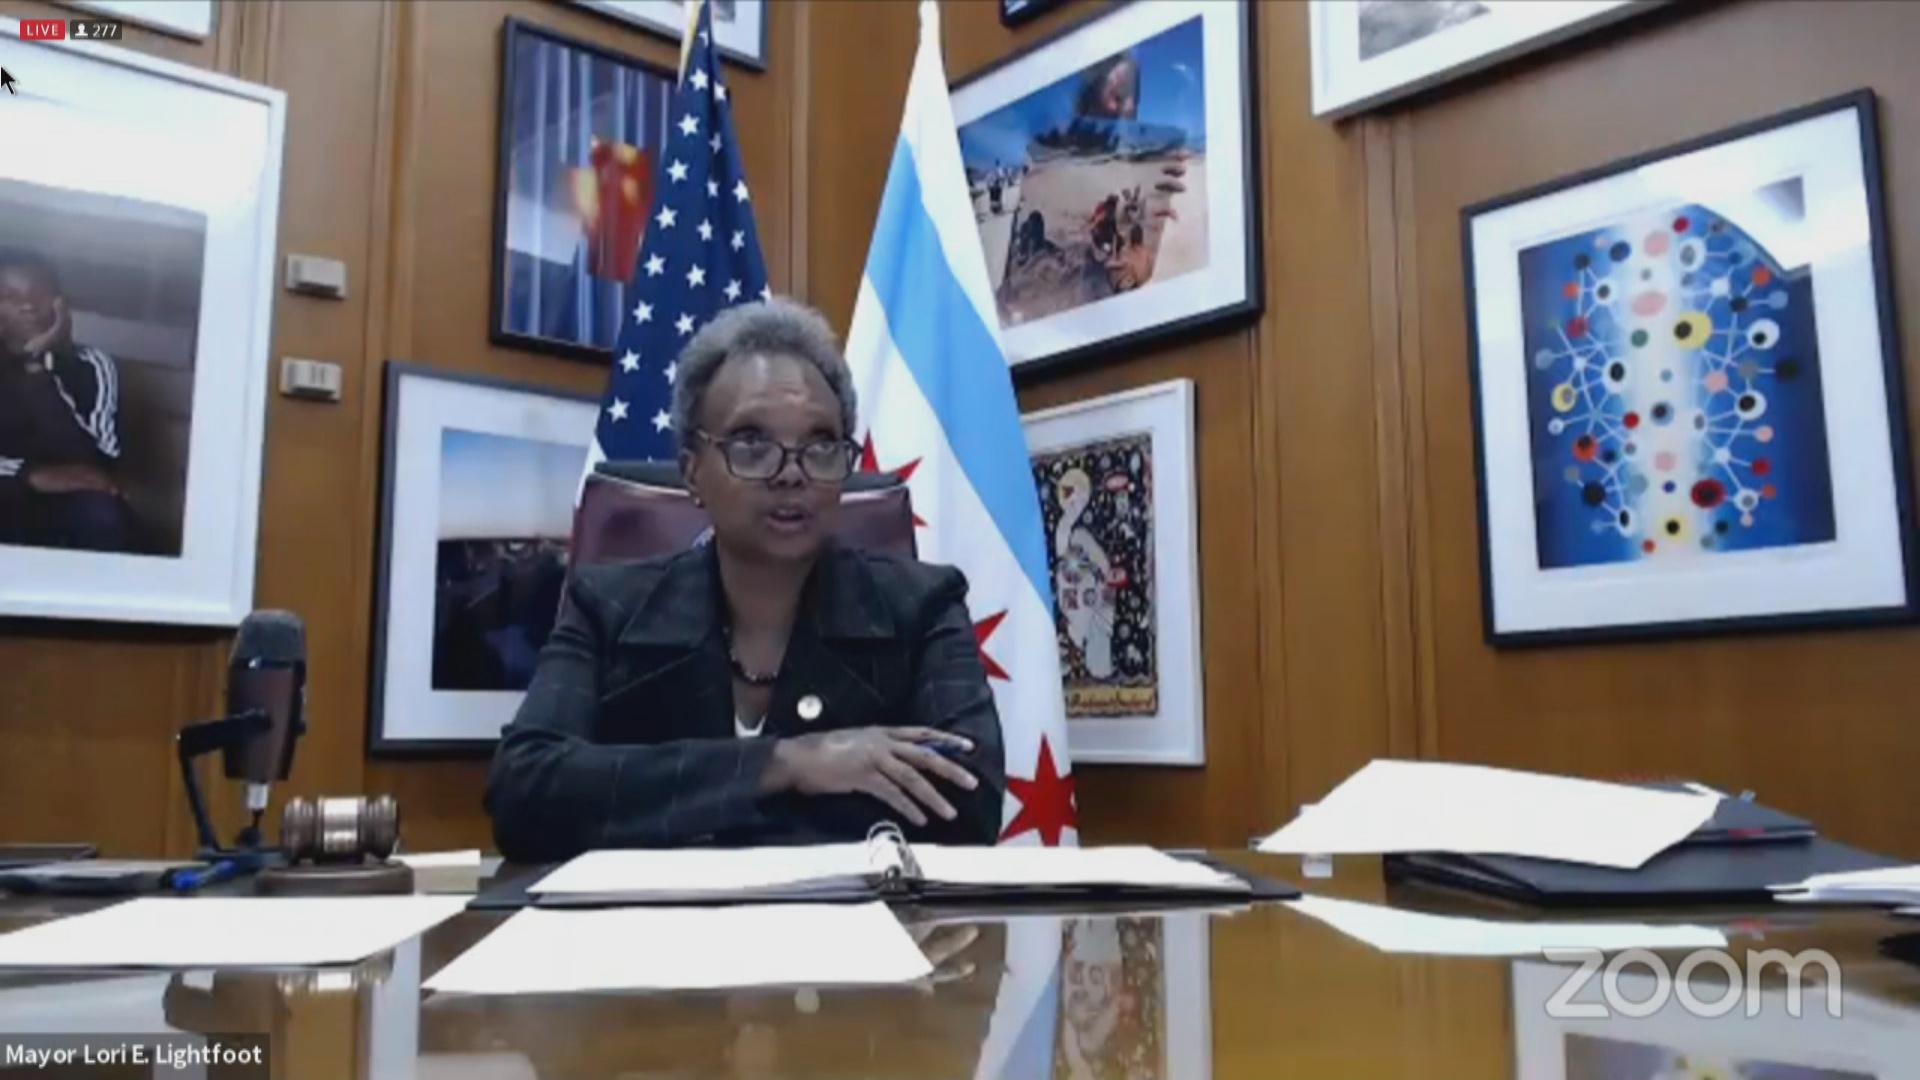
[(750, 457)]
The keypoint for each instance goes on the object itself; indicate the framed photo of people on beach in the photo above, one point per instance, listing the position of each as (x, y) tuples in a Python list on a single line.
[(476, 516), (1115, 479), (1112, 169), (135, 309)]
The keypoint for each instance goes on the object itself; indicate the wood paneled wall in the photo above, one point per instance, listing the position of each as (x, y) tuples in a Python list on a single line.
[(1339, 577)]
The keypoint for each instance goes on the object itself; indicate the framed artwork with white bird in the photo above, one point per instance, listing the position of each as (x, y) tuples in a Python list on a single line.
[(1114, 476)]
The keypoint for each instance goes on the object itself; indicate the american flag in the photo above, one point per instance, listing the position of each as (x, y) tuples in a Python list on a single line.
[(701, 254)]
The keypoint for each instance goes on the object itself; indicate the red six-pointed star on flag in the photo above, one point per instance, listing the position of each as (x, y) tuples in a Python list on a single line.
[(983, 630), (870, 462), (1046, 801)]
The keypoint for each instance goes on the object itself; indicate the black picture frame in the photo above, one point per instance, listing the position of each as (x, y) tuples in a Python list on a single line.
[(1863, 104), (513, 31), (380, 742), (1017, 12), (1199, 323)]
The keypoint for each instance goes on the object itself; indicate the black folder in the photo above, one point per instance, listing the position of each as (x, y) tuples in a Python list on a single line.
[(1707, 871)]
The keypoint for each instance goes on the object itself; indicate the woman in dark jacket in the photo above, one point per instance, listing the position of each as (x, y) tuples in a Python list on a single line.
[(771, 686)]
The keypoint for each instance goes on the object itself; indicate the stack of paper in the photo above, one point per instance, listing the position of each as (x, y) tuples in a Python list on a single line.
[(1398, 806), (444, 871), (1898, 885), (1391, 930), (227, 931), (541, 951)]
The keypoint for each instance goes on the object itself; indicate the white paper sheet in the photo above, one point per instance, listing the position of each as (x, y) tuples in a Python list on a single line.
[(709, 871), (1395, 931), (1139, 867), (1888, 885), (1391, 806), (545, 951), (227, 931)]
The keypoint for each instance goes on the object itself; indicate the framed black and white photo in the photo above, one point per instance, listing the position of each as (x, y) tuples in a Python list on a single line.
[(1115, 480), (1687, 398), (135, 312), (477, 508), (739, 25), (580, 130), (1369, 52), (1112, 169)]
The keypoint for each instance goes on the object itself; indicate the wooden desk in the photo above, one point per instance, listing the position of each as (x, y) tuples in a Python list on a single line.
[(1257, 992)]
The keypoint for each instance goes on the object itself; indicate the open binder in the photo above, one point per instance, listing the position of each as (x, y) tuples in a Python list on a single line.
[(883, 867)]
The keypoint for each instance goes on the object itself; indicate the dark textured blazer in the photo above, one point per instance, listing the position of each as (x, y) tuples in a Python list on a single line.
[(626, 737)]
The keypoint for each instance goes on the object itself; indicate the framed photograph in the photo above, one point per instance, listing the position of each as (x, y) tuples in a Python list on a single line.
[(1112, 169), (580, 127), (1115, 479), (191, 19), (1015, 12), (135, 313), (1368, 52), (1687, 397), (476, 512), (740, 25), (1108, 995), (1872, 1038)]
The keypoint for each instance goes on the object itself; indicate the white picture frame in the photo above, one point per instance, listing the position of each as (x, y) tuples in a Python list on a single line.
[(211, 151), (1114, 173), (1703, 432), (479, 476), (1871, 1038), (741, 38), (191, 19), (1486, 32), (1114, 723)]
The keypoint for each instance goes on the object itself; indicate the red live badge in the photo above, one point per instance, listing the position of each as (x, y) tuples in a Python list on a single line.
[(43, 29)]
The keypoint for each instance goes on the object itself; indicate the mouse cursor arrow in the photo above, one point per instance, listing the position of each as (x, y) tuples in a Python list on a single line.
[(6, 80)]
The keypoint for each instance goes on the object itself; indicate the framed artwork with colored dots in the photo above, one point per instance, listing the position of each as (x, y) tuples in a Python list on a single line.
[(1115, 480), (1687, 397)]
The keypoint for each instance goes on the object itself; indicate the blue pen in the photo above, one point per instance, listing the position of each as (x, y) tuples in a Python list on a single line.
[(185, 881)]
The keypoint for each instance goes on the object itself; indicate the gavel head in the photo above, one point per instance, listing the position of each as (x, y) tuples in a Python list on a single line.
[(334, 830)]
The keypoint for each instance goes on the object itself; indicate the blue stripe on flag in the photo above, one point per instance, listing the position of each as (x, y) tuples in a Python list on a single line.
[(957, 363)]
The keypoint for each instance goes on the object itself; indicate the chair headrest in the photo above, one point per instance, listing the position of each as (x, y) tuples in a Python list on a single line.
[(666, 474)]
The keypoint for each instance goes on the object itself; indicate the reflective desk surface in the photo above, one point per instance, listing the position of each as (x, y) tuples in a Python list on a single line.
[(1185, 994)]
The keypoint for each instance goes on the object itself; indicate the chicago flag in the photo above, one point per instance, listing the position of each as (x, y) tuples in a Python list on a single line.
[(937, 402)]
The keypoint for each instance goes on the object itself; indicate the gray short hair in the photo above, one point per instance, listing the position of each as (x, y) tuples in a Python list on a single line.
[(773, 327)]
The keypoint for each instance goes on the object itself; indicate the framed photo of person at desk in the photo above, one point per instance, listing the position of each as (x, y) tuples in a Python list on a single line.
[(136, 299), (476, 514)]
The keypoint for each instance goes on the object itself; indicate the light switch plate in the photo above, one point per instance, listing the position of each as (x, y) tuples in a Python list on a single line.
[(315, 379), (315, 276)]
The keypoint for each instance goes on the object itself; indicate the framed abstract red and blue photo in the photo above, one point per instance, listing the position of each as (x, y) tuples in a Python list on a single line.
[(1687, 392)]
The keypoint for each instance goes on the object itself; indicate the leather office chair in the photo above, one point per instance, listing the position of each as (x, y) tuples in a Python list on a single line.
[(632, 510)]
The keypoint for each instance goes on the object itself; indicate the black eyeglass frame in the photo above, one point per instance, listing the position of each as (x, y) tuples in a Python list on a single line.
[(787, 453)]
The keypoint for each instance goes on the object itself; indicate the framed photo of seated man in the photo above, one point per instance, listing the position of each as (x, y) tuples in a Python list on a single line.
[(136, 278)]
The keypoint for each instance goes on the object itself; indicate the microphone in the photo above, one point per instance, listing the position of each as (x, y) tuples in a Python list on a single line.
[(266, 676)]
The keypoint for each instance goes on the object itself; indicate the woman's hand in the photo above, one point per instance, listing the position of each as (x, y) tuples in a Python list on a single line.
[(889, 763)]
